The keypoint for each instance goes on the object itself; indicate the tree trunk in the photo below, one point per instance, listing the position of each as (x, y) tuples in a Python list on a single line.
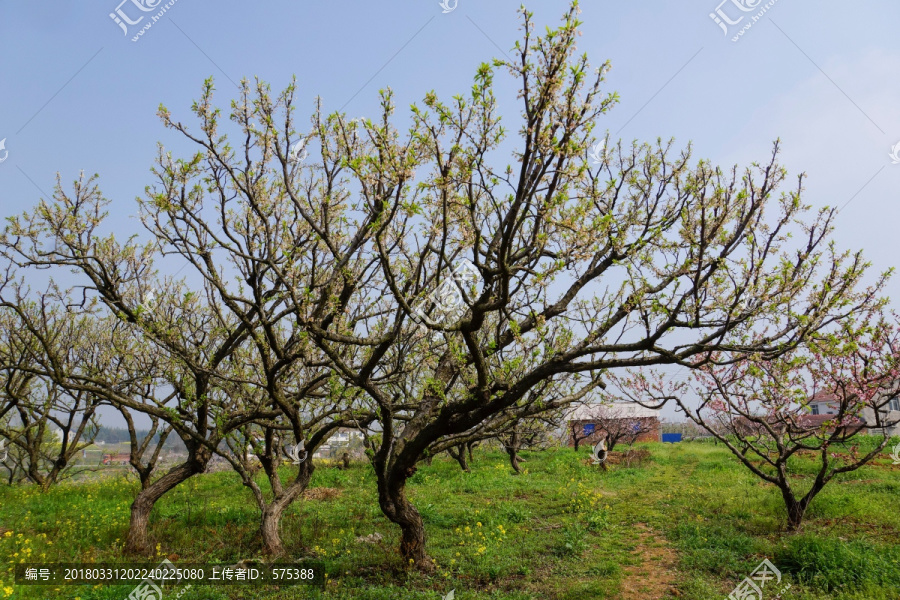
[(144, 476), (463, 461), (270, 525), (512, 449), (796, 509), (469, 446), (269, 529), (397, 508), (459, 455), (136, 542)]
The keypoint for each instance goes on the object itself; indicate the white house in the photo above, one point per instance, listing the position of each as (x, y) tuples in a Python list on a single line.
[(826, 404), (337, 442), (343, 437), (820, 405), (890, 414)]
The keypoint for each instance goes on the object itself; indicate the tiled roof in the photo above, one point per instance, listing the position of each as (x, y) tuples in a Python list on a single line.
[(623, 410)]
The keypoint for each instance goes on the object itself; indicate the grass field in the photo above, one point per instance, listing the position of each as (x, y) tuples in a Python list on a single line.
[(689, 523)]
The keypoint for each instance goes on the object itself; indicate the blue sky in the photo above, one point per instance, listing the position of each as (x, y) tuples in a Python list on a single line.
[(78, 94)]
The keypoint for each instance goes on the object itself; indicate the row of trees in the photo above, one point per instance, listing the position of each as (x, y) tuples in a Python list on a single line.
[(403, 281)]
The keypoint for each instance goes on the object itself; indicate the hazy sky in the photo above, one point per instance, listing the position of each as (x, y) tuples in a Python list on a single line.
[(78, 94)]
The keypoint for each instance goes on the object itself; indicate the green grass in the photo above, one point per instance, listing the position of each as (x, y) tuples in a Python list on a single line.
[(562, 530)]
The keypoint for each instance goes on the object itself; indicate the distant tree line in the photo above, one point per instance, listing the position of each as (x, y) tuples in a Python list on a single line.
[(117, 435)]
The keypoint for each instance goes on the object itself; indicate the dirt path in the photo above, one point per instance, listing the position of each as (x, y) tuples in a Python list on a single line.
[(653, 578)]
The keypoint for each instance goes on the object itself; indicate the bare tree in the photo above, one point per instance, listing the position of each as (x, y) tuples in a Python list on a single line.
[(144, 451), (147, 322), (318, 407), (580, 433), (246, 243), (759, 409), (577, 269), (524, 433), (50, 335), (526, 425), (49, 424), (285, 222)]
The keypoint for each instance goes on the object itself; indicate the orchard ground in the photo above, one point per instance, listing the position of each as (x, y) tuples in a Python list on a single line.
[(689, 523)]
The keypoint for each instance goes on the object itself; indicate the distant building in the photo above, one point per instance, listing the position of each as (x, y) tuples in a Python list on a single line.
[(798, 424), (822, 405), (344, 436), (589, 423), (324, 451), (338, 442), (823, 411), (116, 459)]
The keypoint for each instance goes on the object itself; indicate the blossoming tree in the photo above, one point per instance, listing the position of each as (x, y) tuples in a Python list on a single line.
[(759, 408)]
